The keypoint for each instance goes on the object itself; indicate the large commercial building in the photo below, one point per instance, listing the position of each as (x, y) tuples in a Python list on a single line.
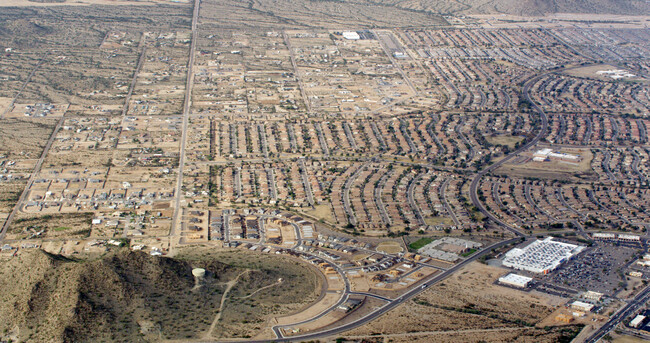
[(541, 256), (515, 280), (637, 322), (582, 306), (548, 155), (351, 35)]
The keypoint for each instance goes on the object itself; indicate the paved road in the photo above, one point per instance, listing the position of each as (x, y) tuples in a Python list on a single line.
[(432, 280), (443, 199), (395, 64), (615, 129), (22, 88), (30, 182), (473, 190), (349, 135), (321, 139), (292, 55), (344, 297), (347, 204), (292, 138), (642, 132), (262, 137), (560, 196), (470, 149), (403, 128), (619, 316), (635, 166), (589, 132), (411, 199), (186, 114), (529, 197), (380, 203), (606, 167), (305, 182), (270, 172), (508, 100), (430, 129), (378, 136), (483, 98)]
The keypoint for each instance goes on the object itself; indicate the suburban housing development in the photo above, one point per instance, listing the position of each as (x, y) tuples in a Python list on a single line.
[(324, 171)]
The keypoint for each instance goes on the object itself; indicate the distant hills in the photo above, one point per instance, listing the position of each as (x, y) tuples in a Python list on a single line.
[(525, 7)]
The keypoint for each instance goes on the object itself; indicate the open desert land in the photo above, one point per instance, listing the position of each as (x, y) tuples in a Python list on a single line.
[(38, 3), (488, 312), (558, 20)]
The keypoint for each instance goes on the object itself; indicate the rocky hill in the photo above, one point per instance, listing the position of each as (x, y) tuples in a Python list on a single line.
[(125, 296), (524, 7)]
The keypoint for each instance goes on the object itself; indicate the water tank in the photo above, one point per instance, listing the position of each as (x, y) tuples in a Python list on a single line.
[(198, 272)]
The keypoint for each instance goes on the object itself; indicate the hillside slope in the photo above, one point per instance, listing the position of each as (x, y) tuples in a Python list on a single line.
[(525, 7), (126, 296)]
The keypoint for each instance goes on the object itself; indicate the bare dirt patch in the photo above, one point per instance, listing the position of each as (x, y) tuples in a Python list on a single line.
[(469, 299)]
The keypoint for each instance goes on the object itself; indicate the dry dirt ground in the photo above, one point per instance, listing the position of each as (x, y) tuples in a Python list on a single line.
[(591, 72), (24, 3), (626, 339), (523, 7), (469, 307), (74, 225), (551, 169)]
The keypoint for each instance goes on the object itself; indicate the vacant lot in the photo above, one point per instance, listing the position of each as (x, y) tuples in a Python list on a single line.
[(507, 140), (51, 225), (552, 169), (468, 301)]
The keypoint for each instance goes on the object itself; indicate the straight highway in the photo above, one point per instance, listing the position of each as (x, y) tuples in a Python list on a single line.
[(186, 115), (619, 316)]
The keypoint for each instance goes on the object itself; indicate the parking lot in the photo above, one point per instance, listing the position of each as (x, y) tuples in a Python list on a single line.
[(599, 268)]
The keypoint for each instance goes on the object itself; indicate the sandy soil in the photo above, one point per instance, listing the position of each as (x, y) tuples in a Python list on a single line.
[(559, 20), (26, 3), (468, 299)]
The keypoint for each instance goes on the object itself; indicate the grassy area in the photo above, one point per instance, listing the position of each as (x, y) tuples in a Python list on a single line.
[(465, 254), (321, 211), (507, 140), (438, 221), (420, 243), (389, 247)]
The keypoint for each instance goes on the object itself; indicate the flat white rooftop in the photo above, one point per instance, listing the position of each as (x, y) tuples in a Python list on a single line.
[(515, 280), (352, 35), (541, 256)]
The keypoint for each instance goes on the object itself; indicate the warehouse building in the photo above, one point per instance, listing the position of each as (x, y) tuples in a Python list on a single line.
[(637, 322), (515, 280), (581, 306), (351, 35)]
